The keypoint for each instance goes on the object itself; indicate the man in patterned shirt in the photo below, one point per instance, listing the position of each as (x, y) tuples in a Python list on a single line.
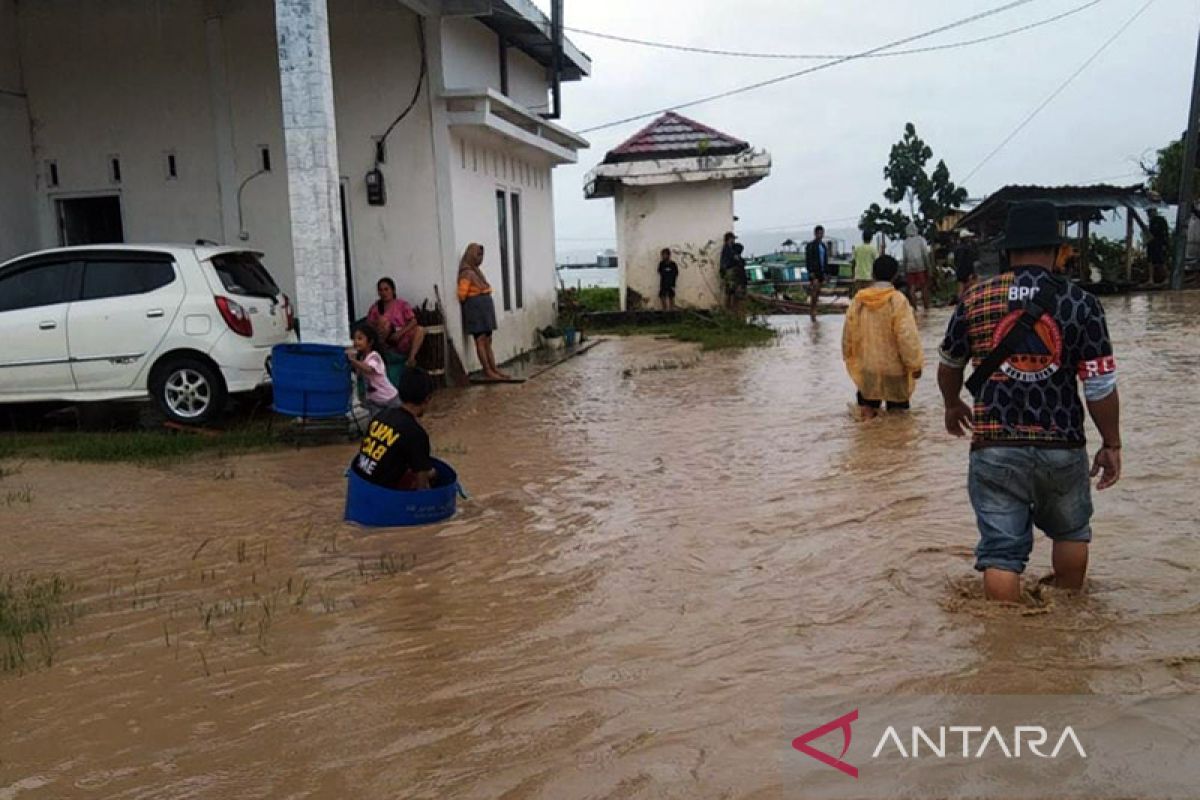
[(1029, 464)]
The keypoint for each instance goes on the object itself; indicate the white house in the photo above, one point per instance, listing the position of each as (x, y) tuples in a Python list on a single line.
[(263, 123), (672, 184)]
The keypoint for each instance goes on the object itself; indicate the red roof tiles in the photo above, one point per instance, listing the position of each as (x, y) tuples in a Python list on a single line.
[(674, 136)]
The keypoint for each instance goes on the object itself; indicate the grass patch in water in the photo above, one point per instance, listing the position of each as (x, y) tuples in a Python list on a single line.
[(718, 332), (131, 446), (31, 608), (597, 298)]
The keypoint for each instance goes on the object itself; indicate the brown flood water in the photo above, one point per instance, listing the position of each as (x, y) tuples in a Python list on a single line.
[(652, 562)]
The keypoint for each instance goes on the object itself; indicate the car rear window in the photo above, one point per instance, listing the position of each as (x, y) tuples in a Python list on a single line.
[(243, 273)]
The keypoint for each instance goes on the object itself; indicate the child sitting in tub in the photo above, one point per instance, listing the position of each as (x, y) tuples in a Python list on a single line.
[(395, 451)]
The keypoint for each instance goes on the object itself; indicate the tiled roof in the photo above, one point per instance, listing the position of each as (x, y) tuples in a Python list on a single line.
[(674, 136)]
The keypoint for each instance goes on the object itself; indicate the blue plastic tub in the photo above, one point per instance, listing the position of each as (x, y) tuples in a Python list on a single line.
[(311, 380), (375, 506)]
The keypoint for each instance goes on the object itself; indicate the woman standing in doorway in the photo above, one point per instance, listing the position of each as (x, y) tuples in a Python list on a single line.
[(478, 310)]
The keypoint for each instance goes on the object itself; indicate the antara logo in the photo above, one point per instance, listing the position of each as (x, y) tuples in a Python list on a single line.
[(843, 722), (1025, 739)]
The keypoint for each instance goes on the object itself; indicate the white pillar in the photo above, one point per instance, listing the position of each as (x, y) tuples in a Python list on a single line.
[(310, 135)]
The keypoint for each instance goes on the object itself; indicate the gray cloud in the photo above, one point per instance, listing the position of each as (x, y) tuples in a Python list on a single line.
[(829, 133)]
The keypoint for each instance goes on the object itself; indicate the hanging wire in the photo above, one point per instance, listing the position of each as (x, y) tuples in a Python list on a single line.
[(811, 70), (828, 56)]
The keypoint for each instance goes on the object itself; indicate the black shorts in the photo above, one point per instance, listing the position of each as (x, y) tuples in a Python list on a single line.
[(862, 401), (666, 291), (816, 276)]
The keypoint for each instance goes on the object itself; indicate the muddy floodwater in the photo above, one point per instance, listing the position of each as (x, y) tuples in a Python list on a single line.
[(661, 549)]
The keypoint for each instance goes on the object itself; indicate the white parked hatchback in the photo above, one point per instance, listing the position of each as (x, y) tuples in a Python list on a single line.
[(185, 325)]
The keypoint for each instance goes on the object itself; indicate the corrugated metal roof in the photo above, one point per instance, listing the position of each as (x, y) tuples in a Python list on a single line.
[(675, 136), (1072, 201)]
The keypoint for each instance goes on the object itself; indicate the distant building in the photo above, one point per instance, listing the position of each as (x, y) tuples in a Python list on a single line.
[(672, 184), (258, 122)]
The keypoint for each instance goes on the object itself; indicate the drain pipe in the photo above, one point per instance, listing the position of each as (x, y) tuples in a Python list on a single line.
[(556, 36), (244, 234)]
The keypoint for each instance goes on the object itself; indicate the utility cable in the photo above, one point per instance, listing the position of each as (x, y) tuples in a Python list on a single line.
[(810, 70), (1061, 87), (827, 56), (424, 71)]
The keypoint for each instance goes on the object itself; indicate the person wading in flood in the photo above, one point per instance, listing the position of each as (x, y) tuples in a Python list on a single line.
[(1028, 463), (881, 345), (816, 261)]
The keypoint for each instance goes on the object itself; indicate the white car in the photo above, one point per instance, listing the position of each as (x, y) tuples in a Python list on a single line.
[(185, 325)]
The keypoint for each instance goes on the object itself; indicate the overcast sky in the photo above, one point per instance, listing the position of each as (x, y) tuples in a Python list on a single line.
[(829, 133)]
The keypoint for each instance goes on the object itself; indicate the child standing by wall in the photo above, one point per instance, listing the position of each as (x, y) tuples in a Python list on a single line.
[(366, 361), (880, 343)]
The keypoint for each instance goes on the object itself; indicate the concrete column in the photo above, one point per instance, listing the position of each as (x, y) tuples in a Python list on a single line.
[(310, 136)]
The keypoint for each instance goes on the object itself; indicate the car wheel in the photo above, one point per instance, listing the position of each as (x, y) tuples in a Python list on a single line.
[(188, 391)]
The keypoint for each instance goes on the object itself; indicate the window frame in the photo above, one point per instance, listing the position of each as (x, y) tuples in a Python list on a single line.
[(516, 219), (502, 230), (71, 279), (87, 259)]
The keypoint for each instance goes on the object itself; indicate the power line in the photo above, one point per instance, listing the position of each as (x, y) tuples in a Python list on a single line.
[(1061, 87), (828, 56), (810, 70)]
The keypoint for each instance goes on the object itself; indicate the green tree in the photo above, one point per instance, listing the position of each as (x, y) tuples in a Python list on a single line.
[(930, 197), (1166, 170)]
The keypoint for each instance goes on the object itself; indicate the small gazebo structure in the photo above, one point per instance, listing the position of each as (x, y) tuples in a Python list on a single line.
[(1078, 206), (672, 184)]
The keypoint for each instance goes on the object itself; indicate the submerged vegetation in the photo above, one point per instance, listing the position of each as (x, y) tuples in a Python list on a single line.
[(135, 446), (716, 332), (31, 609)]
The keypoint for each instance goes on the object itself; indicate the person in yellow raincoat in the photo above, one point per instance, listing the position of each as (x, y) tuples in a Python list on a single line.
[(880, 343)]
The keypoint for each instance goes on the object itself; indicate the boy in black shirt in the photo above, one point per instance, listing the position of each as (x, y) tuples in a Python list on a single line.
[(395, 451), (668, 273)]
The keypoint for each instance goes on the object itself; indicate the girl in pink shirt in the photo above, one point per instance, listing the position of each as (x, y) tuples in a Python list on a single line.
[(366, 361)]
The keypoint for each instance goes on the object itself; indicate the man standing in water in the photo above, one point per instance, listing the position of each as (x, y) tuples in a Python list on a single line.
[(918, 262), (816, 261), (1028, 463)]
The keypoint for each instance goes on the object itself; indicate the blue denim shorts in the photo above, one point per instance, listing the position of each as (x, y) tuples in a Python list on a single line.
[(1014, 488)]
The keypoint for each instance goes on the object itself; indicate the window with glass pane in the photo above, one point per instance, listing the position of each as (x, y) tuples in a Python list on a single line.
[(115, 278), (502, 221), (518, 278)]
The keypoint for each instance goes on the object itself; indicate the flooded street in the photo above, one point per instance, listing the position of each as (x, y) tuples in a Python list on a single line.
[(661, 549)]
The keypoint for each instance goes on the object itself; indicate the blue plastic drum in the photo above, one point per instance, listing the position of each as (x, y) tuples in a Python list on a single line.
[(376, 506), (311, 380)]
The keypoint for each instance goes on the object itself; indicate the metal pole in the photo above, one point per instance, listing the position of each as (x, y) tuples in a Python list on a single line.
[(1187, 183), (556, 33)]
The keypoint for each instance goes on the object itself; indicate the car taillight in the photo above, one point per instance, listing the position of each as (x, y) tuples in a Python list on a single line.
[(289, 312), (235, 316)]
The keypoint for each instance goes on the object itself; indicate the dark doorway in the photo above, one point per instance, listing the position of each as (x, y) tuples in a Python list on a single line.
[(346, 255), (90, 220)]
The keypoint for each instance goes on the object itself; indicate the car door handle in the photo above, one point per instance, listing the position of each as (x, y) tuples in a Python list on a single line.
[(47, 325), (154, 312)]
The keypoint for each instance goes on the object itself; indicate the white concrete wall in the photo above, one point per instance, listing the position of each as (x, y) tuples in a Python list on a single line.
[(471, 54), (125, 79), (688, 218), (527, 82), (18, 223), (376, 60), (480, 168)]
